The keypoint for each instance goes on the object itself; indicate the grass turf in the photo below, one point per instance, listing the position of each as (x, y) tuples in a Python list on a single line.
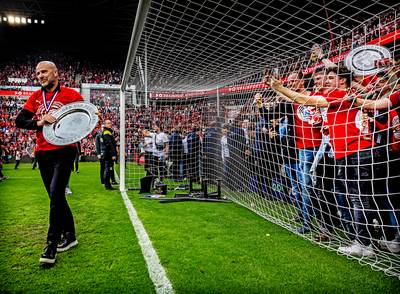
[(107, 259), (224, 248), (204, 247)]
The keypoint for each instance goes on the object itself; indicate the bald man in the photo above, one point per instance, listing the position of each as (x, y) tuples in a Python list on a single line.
[(55, 162)]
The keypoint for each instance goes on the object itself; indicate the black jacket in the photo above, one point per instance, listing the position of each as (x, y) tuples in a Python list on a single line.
[(108, 145), (286, 143)]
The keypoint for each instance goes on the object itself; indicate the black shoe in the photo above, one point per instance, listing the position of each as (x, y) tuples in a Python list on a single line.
[(66, 243), (49, 254), (110, 188), (114, 183)]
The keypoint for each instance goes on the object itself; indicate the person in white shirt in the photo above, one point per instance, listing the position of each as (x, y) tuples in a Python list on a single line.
[(185, 154), (17, 159), (245, 127), (148, 141), (224, 148), (160, 151)]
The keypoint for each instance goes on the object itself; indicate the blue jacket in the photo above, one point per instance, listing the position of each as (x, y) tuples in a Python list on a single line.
[(175, 145)]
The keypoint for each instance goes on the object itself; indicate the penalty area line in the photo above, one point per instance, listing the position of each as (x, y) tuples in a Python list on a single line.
[(156, 271)]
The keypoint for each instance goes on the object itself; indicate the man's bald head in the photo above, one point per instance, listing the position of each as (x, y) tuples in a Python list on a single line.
[(47, 75), (48, 64)]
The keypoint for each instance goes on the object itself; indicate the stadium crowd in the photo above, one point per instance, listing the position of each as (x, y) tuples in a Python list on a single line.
[(13, 139), (98, 74), (20, 71)]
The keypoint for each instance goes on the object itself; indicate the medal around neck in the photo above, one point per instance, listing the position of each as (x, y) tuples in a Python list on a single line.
[(367, 59), (74, 122)]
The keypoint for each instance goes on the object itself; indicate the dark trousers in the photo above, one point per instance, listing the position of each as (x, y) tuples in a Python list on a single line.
[(184, 165), (394, 187), (325, 205), (193, 166), (17, 164), (55, 169), (34, 162), (148, 162), (236, 175), (160, 167), (102, 169), (175, 168), (76, 162), (108, 172), (356, 170)]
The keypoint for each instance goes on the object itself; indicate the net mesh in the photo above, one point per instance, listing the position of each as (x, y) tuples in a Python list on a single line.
[(202, 112)]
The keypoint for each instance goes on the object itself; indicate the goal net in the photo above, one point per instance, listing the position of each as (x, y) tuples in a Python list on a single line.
[(272, 100)]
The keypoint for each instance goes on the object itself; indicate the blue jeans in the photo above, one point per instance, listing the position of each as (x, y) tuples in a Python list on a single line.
[(291, 172), (306, 158), (388, 206)]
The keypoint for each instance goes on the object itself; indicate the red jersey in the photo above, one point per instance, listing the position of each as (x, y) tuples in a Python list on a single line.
[(35, 104), (395, 99), (348, 127), (368, 80), (307, 123), (394, 125)]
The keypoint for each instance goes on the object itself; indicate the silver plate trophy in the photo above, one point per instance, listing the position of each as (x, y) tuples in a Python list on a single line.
[(74, 122), (368, 59)]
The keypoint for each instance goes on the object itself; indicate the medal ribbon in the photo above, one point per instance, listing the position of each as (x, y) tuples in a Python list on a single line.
[(48, 105)]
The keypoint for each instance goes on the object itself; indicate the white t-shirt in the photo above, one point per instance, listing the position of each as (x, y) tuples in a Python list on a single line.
[(185, 145), (224, 147), (159, 142), (246, 135), (148, 143)]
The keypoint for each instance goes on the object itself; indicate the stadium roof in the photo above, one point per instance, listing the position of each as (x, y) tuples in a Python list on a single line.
[(89, 27)]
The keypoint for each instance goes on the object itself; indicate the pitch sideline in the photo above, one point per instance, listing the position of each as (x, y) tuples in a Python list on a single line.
[(156, 271)]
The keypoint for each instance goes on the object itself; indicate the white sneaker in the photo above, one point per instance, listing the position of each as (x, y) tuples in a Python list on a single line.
[(392, 246), (357, 249), (375, 222), (68, 191)]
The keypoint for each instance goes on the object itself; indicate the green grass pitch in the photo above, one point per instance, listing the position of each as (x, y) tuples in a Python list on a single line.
[(204, 247)]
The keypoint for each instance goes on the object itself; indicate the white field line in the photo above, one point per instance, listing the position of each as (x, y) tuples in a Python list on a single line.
[(156, 271)]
